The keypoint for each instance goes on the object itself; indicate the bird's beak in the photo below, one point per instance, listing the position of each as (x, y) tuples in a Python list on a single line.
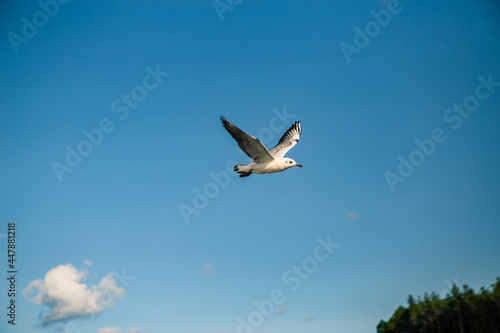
[(298, 165)]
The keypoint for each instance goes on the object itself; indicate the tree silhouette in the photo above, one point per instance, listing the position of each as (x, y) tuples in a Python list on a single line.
[(461, 311)]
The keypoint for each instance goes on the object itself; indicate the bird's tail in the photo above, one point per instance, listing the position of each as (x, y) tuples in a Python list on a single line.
[(243, 170)]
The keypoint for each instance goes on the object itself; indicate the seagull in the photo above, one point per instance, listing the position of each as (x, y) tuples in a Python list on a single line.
[(263, 160)]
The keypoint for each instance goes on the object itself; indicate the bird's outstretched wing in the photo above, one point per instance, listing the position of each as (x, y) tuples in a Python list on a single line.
[(287, 141), (249, 144)]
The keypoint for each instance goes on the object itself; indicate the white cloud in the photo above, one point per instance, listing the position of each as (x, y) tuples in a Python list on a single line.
[(280, 310), (351, 215), (109, 330), (66, 297), (87, 262), (133, 330), (207, 268), (118, 330)]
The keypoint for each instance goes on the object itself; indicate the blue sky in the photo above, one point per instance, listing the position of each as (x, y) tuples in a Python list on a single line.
[(104, 245)]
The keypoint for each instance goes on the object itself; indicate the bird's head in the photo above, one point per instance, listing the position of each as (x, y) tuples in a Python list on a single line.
[(290, 163)]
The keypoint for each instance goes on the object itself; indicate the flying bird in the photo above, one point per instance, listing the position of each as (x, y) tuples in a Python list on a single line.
[(263, 160)]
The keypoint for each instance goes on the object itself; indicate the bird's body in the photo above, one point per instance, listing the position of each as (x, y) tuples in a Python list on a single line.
[(276, 165), (263, 160)]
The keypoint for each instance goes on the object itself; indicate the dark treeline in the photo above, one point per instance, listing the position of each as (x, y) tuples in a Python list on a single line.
[(462, 311)]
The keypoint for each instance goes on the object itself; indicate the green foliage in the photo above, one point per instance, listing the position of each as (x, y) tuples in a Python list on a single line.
[(462, 311)]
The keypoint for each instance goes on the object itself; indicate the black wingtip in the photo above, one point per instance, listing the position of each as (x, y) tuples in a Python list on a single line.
[(295, 126), (223, 120)]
